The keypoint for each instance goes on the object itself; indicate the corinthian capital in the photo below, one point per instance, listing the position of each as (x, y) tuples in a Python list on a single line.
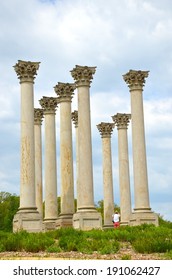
[(74, 117), (49, 104), (26, 70), (135, 79), (105, 129), (121, 120), (83, 75), (38, 115), (65, 91)]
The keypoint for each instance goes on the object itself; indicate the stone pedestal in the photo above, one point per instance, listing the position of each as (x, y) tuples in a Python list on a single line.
[(83, 76), (122, 121), (143, 217), (136, 81), (105, 130), (27, 217), (87, 220), (49, 105), (65, 93), (38, 116)]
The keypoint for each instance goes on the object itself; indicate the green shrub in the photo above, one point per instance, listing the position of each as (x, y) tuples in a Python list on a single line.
[(36, 242), (152, 245), (126, 257), (96, 234), (168, 255), (54, 248), (144, 239), (165, 223), (109, 248), (13, 242), (3, 234), (2, 248), (69, 243), (68, 231), (85, 246)]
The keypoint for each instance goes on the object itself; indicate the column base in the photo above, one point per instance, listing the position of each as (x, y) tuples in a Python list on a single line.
[(49, 224), (143, 216), (125, 223), (65, 220), (87, 220), (28, 219), (108, 226)]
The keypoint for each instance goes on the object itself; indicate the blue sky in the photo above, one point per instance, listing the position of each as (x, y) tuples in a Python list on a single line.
[(115, 37)]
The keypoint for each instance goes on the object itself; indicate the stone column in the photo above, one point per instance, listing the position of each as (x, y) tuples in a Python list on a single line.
[(142, 211), (38, 116), (65, 93), (86, 217), (105, 130), (27, 217), (49, 105), (121, 121), (74, 116)]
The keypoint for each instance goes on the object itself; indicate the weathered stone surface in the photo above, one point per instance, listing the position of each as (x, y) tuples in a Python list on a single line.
[(49, 105), (121, 121), (87, 220), (85, 200), (27, 212), (83, 75), (29, 220), (136, 81), (65, 93), (105, 130), (26, 70), (135, 78), (38, 116)]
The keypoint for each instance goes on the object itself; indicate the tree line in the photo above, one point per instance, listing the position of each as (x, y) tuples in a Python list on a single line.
[(9, 204)]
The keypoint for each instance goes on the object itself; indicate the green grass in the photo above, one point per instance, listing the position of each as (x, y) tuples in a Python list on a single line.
[(144, 239)]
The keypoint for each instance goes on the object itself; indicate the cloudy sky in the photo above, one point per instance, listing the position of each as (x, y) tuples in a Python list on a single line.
[(113, 35)]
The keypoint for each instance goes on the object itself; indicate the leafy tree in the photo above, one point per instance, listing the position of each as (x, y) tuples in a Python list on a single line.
[(9, 204), (100, 208), (59, 205)]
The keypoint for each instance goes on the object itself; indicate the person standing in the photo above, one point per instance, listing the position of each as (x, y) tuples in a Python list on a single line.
[(116, 219)]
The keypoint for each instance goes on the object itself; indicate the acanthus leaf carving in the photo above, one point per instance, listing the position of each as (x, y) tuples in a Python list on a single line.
[(121, 120), (48, 104), (105, 129), (83, 75), (26, 70), (135, 78)]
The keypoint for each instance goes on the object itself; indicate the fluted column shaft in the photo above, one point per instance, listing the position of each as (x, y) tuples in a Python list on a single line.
[(49, 105), (27, 191), (83, 76), (74, 117), (136, 80), (121, 121), (26, 72), (65, 92), (27, 218), (38, 115), (105, 130), (85, 169)]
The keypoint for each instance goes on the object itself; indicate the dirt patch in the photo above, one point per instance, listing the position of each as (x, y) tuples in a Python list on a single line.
[(126, 252)]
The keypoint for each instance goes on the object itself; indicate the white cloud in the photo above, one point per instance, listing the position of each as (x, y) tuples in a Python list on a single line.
[(115, 37)]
